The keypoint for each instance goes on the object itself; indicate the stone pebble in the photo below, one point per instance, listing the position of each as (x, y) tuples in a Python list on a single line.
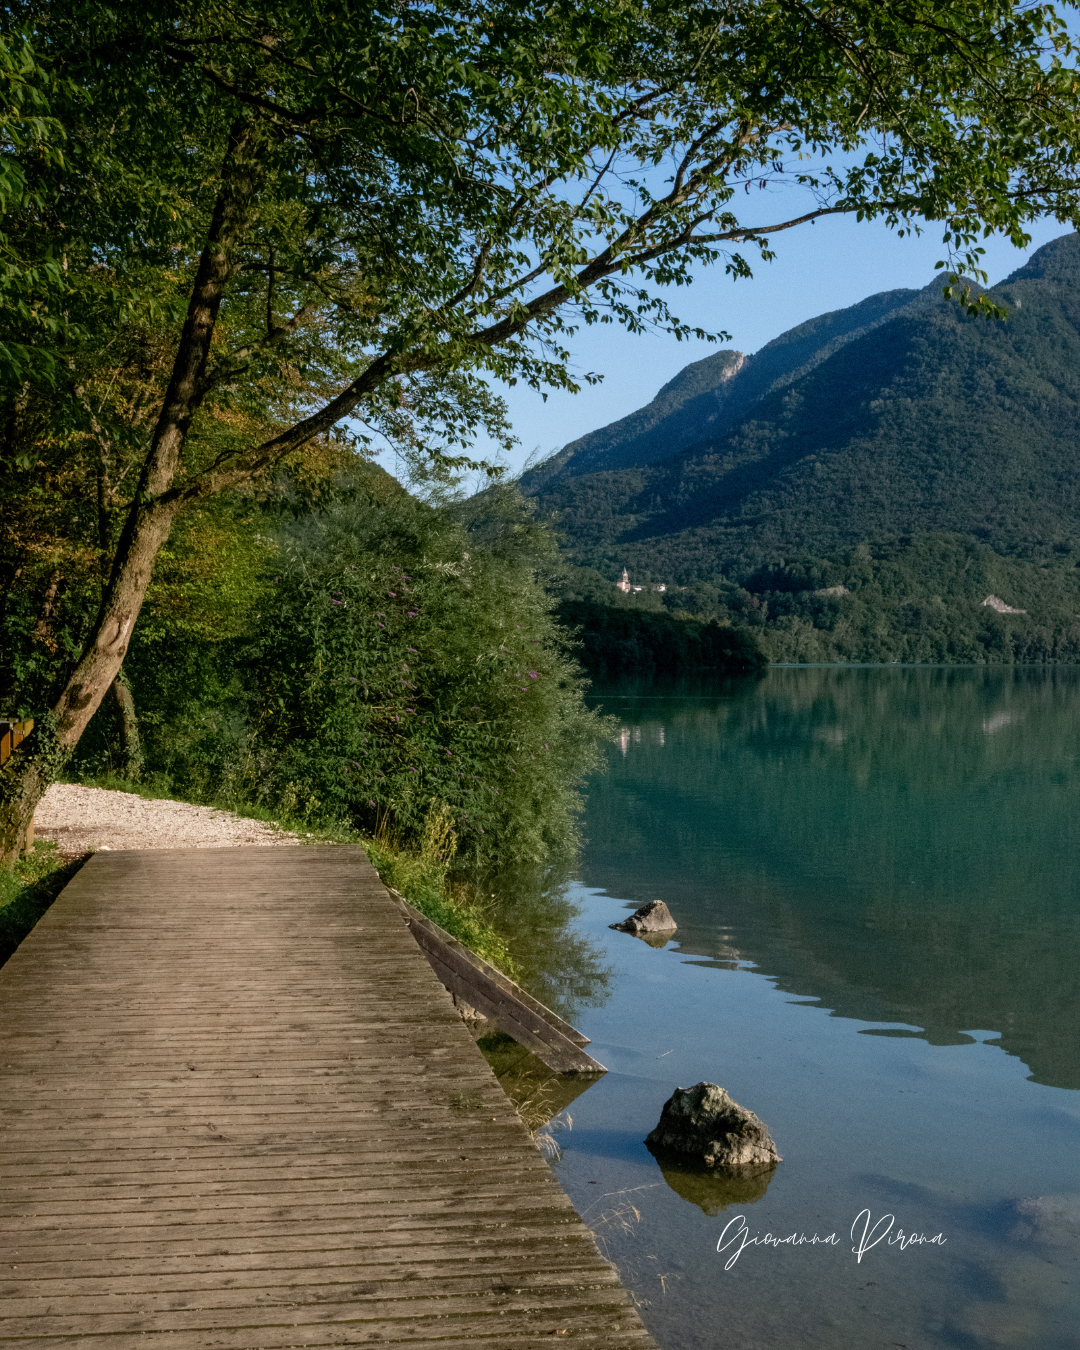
[(85, 819)]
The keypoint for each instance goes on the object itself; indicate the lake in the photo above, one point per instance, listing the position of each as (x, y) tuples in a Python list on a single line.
[(876, 877)]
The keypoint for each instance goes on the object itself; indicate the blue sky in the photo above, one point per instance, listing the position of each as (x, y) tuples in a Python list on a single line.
[(825, 266)]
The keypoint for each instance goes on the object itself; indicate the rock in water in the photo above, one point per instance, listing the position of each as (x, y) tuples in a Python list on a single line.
[(655, 917), (703, 1122)]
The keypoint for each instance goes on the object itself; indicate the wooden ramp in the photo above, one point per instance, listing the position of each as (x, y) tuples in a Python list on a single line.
[(504, 1003), (238, 1110)]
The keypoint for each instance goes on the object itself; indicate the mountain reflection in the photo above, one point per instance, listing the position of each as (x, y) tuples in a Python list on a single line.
[(898, 844)]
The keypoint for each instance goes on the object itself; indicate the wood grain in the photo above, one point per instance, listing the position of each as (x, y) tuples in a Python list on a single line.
[(238, 1110)]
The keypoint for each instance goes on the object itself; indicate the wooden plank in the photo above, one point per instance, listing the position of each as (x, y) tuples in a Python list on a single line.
[(239, 1110), (492, 993), (611, 1337), (397, 1253), (498, 977), (517, 1021)]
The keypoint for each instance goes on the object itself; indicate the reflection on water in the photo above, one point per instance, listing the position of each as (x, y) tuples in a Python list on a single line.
[(538, 1094), (713, 1189), (876, 878), (553, 959), (903, 845)]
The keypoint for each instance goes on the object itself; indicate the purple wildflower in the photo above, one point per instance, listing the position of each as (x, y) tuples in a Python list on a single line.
[(533, 675)]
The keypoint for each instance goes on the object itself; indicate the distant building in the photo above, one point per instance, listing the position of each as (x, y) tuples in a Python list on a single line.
[(624, 585)]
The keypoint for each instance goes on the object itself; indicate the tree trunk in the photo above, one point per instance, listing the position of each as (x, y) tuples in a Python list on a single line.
[(130, 744), (23, 780), (29, 771), (43, 631)]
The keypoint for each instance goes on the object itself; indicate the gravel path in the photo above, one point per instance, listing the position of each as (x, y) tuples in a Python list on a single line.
[(81, 819)]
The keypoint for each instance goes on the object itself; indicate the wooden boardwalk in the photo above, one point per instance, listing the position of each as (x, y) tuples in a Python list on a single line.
[(238, 1110)]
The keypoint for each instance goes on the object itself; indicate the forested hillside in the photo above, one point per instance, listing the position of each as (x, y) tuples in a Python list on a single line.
[(915, 455), (931, 421), (708, 397)]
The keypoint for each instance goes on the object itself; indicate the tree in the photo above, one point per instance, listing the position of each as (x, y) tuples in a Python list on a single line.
[(374, 207), (406, 664)]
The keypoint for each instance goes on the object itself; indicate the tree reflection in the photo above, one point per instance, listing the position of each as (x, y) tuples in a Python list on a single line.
[(899, 845)]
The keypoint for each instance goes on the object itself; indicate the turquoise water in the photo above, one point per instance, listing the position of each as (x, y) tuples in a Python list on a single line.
[(876, 877)]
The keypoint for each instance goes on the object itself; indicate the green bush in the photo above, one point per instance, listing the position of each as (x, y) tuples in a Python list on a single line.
[(422, 876), (408, 663)]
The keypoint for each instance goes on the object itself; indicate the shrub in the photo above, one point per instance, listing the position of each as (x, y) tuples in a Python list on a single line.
[(409, 663)]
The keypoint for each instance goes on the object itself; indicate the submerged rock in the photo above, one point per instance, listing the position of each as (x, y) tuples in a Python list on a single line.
[(655, 917), (703, 1122), (657, 941), (1053, 1219)]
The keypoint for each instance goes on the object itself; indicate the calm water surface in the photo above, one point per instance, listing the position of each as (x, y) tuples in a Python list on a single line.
[(876, 877)]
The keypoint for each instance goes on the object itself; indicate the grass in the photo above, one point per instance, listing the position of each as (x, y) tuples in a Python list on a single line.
[(28, 890), (425, 883)]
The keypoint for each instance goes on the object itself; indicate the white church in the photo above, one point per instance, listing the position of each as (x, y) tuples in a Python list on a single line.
[(624, 585)]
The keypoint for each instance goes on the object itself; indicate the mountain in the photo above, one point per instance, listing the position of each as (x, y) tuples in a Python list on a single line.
[(710, 396), (673, 420), (898, 417)]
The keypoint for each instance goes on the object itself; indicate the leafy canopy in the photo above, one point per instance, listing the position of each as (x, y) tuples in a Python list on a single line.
[(442, 188)]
